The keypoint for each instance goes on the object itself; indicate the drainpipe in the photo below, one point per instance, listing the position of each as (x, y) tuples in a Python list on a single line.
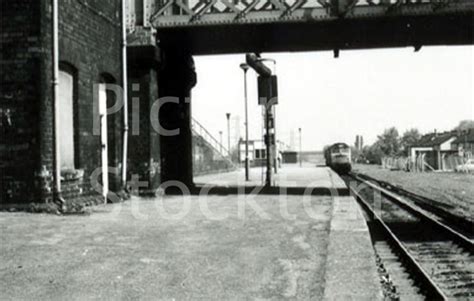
[(125, 96), (55, 83)]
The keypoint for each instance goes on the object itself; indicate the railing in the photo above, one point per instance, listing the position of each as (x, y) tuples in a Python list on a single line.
[(448, 162), (397, 163), (166, 13), (199, 130), (179, 12), (416, 164), (451, 162)]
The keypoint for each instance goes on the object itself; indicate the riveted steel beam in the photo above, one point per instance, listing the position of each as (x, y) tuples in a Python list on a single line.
[(275, 11)]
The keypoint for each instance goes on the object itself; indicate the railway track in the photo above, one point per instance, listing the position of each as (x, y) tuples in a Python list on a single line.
[(438, 259), (439, 209)]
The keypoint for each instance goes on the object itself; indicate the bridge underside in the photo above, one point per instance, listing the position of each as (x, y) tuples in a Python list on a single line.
[(184, 30), (361, 33)]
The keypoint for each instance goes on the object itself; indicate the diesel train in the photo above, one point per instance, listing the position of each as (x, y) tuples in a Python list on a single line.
[(338, 157)]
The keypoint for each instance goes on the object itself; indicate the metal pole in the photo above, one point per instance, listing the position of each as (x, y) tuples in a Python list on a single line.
[(55, 82), (268, 140), (300, 159), (275, 155), (228, 132), (245, 67), (272, 156), (125, 96), (256, 63), (268, 180)]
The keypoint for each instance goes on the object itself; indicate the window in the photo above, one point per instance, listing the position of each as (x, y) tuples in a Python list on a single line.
[(65, 119)]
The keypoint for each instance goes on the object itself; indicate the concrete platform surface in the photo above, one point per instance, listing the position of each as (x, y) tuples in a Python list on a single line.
[(236, 247), (289, 175)]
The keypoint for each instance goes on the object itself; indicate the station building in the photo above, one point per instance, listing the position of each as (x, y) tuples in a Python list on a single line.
[(258, 152), (89, 58), (465, 143), (442, 151), (93, 131)]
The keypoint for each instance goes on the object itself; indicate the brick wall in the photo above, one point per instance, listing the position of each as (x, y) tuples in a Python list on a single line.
[(90, 43), (144, 140), (20, 91)]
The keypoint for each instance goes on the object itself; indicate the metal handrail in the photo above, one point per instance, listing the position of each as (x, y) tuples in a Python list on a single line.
[(200, 130)]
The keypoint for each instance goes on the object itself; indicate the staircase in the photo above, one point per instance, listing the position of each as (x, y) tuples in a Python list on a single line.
[(217, 148)]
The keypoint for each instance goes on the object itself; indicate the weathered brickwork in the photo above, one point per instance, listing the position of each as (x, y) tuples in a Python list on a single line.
[(20, 89), (90, 51), (144, 140), (90, 44)]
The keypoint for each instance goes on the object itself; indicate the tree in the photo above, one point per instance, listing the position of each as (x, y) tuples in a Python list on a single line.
[(373, 154), (389, 142), (409, 138), (465, 125)]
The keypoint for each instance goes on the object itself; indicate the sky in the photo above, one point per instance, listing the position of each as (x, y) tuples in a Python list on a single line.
[(362, 92)]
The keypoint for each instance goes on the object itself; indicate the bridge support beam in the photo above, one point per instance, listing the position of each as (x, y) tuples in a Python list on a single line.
[(177, 77), (144, 142)]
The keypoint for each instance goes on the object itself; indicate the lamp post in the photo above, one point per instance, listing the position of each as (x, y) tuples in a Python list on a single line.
[(245, 67), (299, 157), (228, 132)]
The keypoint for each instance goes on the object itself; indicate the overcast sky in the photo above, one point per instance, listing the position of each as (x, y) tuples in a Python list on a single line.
[(333, 100)]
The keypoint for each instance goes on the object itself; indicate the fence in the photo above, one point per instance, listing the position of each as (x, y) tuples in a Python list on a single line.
[(449, 162), (396, 163)]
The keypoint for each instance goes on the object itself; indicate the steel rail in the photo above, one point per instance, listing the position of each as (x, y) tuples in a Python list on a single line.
[(432, 289), (425, 203), (459, 238)]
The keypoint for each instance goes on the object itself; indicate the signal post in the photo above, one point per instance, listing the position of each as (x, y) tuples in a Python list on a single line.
[(267, 96)]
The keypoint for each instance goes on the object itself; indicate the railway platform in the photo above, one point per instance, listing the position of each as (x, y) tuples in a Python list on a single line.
[(206, 247), (289, 175), (350, 272)]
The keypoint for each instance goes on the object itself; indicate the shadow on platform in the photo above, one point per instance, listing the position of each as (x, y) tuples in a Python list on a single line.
[(258, 190)]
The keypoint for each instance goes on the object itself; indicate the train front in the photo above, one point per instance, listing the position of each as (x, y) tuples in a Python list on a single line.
[(341, 158)]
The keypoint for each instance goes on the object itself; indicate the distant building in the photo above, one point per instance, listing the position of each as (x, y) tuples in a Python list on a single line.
[(313, 157), (258, 151), (433, 147), (464, 143), (290, 157)]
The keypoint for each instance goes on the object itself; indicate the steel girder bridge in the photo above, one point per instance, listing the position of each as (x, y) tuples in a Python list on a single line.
[(168, 33), (235, 26)]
